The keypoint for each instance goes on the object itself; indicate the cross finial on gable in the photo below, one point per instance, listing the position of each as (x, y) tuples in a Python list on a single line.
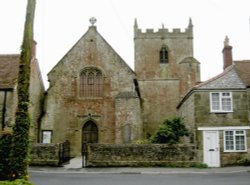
[(92, 20)]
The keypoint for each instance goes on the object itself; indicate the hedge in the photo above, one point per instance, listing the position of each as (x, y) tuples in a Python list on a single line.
[(5, 150), (16, 182)]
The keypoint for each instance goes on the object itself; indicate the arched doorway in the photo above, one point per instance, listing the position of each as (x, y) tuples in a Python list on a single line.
[(90, 133)]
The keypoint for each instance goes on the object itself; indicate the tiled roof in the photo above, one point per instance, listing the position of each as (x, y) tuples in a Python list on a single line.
[(8, 70)]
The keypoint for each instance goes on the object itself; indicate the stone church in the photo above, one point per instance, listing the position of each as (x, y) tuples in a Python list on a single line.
[(94, 96)]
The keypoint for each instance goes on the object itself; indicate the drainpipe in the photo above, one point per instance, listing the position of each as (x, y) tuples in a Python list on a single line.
[(4, 109)]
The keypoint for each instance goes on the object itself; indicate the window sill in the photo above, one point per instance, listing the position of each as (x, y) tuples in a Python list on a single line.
[(221, 112), (235, 151)]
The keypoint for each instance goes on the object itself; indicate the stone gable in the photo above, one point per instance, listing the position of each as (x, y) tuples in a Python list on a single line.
[(117, 106)]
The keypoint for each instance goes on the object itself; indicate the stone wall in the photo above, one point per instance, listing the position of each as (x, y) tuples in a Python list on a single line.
[(196, 113), (45, 154), (36, 100), (67, 112), (102, 155), (129, 125), (162, 85), (204, 117), (159, 100), (147, 47)]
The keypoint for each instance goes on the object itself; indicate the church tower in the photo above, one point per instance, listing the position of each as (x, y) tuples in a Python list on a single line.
[(165, 69)]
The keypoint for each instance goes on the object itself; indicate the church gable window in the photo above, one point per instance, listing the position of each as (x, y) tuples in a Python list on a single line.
[(163, 55), (91, 83)]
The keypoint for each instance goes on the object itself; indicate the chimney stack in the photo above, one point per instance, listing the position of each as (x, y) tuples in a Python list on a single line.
[(227, 54)]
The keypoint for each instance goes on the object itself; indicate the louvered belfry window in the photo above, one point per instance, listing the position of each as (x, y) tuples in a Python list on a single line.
[(91, 82), (163, 55)]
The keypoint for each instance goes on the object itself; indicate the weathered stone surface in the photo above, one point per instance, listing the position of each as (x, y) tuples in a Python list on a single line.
[(133, 104), (162, 85), (128, 117), (45, 154), (67, 112), (196, 113), (140, 155)]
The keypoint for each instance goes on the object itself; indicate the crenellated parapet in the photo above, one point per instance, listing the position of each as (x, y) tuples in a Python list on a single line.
[(163, 32)]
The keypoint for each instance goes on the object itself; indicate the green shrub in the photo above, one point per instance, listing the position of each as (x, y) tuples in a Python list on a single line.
[(141, 141), (170, 131), (5, 149), (200, 165), (243, 162), (16, 182)]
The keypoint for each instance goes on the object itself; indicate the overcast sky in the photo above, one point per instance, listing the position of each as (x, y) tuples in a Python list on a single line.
[(60, 23)]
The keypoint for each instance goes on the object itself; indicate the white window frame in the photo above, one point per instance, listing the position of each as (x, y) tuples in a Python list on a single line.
[(235, 134), (47, 136), (221, 97)]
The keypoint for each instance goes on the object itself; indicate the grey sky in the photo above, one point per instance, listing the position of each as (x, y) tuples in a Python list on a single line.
[(60, 23)]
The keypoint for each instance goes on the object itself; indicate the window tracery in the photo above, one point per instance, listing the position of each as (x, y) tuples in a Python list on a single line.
[(91, 82)]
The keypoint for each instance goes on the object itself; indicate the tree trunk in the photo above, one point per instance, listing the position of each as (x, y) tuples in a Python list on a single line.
[(20, 151)]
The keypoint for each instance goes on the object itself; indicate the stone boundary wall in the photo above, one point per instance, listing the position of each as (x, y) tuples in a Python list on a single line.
[(45, 154), (137, 155)]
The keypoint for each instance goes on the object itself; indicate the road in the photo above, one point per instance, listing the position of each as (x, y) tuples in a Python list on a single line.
[(44, 178)]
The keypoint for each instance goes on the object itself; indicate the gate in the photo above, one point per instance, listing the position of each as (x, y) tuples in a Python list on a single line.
[(64, 152), (84, 154)]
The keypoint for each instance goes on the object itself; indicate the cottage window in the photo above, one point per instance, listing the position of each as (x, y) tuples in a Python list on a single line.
[(163, 55), (221, 102), (234, 141), (91, 83)]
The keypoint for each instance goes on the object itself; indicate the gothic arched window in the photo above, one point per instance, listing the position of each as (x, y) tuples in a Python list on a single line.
[(91, 82), (163, 55)]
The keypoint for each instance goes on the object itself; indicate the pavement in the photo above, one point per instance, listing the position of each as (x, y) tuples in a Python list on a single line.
[(75, 166)]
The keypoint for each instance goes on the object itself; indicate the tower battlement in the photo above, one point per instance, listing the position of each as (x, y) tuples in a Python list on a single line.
[(162, 30), (188, 32)]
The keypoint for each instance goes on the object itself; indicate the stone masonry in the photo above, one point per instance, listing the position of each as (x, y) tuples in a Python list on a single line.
[(131, 104), (162, 85)]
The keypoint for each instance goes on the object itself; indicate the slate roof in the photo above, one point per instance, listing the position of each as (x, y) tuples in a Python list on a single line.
[(229, 79), (236, 76), (8, 70)]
